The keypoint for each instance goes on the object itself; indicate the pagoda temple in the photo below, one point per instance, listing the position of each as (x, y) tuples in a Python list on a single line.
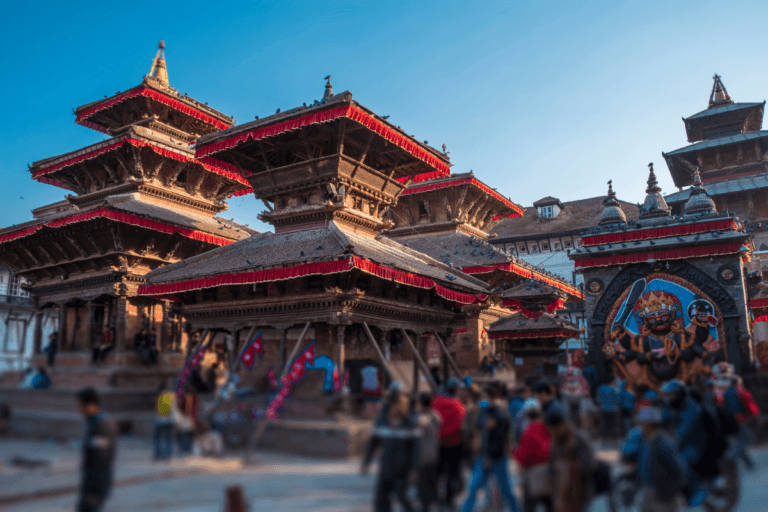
[(532, 336), (667, 294), (138, 200), (328, 174), (730, 150), (450, 218)]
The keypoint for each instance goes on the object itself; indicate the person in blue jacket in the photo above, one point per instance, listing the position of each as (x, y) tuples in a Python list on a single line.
[(682, 416)]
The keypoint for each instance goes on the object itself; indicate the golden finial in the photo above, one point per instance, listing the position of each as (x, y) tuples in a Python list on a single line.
[(159, 72)]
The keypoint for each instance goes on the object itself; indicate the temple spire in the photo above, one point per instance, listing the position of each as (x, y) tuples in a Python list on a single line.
[(328, 89), (159, 72), (699, 202), (654, 204), (612, 212), (719, 95)]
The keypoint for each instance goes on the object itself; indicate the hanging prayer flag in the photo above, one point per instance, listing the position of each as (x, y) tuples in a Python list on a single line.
[(249, 354), (272, 378)]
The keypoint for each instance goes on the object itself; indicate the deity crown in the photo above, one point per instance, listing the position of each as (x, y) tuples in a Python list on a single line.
[(656, 301)]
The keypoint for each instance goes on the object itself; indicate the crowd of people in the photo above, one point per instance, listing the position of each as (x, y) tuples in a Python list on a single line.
[(676, 438)]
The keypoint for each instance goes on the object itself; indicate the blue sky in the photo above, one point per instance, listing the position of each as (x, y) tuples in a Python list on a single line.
[(538, 98)]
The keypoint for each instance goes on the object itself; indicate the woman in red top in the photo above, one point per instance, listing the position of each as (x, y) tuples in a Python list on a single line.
[(532, 455)]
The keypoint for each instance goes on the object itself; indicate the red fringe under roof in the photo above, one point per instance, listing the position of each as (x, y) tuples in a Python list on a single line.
[(761, 318), (518, 212), (119, 217), (137, 143), (307, 269), (350, 112), (149, 93), (554, 333), (758, 303), (523, 272), (670, 254), (517, 305), (645, 234)]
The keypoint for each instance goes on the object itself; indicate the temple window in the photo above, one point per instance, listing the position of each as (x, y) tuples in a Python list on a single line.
[(304, 199), (422, 209), (544, 247)]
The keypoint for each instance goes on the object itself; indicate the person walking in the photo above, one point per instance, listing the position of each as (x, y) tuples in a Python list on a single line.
[(98, 453), (571, 461), (429, 451), (52, 347), (451, 412), (163, 433), (106, 345), (185, 421), (660, 468), (532, 455), (397, 434), (608, 398), (494, 426)]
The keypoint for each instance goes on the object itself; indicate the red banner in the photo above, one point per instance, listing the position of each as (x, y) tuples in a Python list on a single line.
[(418, 178), (149, 93), (761, 318), (759, 303), (119, 217), (645, 234), (350, 112), (669, 254), (518, 212)]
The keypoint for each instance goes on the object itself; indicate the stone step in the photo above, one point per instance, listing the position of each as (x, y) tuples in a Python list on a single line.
[(127, 359), (61, 426), (63, 399)]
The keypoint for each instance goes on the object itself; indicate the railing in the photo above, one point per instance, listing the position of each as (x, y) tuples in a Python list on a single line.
[(15, 299)]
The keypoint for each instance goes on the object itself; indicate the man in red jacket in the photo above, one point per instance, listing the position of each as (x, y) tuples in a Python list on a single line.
[(532, 455), (451, 412)]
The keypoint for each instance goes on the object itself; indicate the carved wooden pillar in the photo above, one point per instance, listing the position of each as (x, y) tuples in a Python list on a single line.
[(165, 326), (121, 323), (90, 320), (62, 326), (340, 331), (386, 346), (417, 344), (37, 339)]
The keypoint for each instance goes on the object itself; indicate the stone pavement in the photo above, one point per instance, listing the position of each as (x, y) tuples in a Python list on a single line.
[(277, 483)]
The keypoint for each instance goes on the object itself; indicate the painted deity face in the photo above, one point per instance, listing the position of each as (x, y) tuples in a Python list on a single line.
[(658, 311), (660, 321)]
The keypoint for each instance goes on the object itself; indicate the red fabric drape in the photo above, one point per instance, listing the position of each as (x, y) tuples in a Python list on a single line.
[(119, 217), (462, 330), (761, 318), (517, 305), (553, 333), (758, 303), (331, 267), (518, 212), (645, 234), (669, 254), (139, 144), (260, 276), (418, 178), (350, 112), (523, 272), (155, 95)]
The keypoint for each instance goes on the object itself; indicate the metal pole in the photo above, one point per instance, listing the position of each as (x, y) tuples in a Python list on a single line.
[(420, 361), (448, 354), (294, 352)]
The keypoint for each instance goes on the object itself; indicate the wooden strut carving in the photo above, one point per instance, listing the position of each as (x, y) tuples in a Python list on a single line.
[(195, 189), (77, 246), (156, 170), (59, 248), (31, 256), (116, 238), (109, 170), (45, 252), (94, 181), (150, 246), (460, 202), (446, 204), (92, 241), (138, 165), (464, 212), (175, 249), (22, 264), (126, 168), (171, 181)]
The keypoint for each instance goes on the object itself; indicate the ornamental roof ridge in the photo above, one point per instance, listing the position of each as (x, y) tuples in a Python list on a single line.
[(719, 95)]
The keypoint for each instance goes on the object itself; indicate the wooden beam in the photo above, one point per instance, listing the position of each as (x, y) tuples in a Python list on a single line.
[(198, 182), (59, 248), (342, 135), (31, 256), (421, 362), (156, 170), (124, 164), (460, 202), (171, 181), (380, 354), (109, 170), (116, 238), (77, 246), (45, 252), (92, 241), (94, 181), (138, 165), (448, 355)]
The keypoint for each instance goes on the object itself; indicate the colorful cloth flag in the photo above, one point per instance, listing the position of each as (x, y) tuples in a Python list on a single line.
[(272, 378), (198, 358), (253, 348), (336, 381)]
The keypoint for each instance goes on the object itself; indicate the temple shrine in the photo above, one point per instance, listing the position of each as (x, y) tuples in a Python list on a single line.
[(138, 200), (668, 293)]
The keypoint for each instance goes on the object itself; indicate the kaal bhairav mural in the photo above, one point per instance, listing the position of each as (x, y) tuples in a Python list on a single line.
[(662, 328)]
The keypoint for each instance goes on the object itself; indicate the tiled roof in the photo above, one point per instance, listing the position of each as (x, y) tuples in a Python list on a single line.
[(457, 248), (531, 290), (723, 141), (575, 216), (306, 246), (722, 109), (724, 187), (516, 322)]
